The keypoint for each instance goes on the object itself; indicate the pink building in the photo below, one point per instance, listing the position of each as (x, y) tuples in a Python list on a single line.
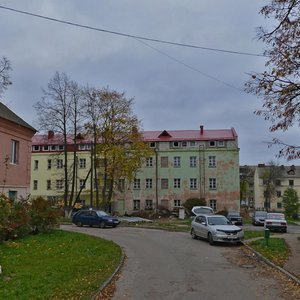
[(15, 154)]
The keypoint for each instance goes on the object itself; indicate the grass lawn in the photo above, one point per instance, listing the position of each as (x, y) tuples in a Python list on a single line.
[(276, 251), (57, 265)]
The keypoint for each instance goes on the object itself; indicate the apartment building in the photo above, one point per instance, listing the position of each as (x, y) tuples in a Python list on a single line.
[(15, 151), (270, 183), (201, 163)]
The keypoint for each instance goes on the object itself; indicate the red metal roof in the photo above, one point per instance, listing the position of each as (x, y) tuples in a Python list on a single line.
[(190, 135), (150, 136)]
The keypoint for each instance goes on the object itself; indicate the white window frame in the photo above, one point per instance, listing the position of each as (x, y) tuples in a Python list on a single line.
[(48, 184), (136, 204), (212, 143), (36, 164), (213, 204), (176, 161), (212, 161), (193, 161), (35, 185), (149, 204), (82, 163), (149, 162), (177, 203), (82, 183), (184, 144), (46, 148), (212, 183), (49, 164), (177, 183), (192, 143), (35, 148), (193, 183), (221, 143), (137, 184), (152, 144), (14, 152), (59, 163), (59, 184), (148, 183)]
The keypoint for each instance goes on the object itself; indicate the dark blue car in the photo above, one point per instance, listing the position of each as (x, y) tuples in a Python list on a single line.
[(93, 217)]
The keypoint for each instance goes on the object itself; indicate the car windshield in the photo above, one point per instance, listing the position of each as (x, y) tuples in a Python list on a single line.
[(233, 214), (275, 216), (218, 221), (101, 213), (260, 213)]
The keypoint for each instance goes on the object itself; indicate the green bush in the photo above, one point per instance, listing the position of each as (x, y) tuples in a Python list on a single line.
[(44, 217), (20, 218), (191, 202)]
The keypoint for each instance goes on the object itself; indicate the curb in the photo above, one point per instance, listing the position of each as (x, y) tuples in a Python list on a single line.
[(110, 279), (291, 276)]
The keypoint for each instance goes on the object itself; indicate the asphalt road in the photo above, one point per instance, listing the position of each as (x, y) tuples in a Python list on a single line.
[(171, 265)]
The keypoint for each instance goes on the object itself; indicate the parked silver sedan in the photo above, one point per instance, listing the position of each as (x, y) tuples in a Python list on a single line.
[(216, 228)]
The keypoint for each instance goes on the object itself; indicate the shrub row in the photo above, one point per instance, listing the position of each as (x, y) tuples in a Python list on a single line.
[(18, 219)]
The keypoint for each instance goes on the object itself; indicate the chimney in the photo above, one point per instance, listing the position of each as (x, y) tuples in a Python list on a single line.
[(50, 134), (201, 130)]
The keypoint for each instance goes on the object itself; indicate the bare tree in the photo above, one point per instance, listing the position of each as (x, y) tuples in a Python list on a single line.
[(59, 111), (279, 84), (5, 67)]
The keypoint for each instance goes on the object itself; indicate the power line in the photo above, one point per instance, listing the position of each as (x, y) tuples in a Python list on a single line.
[(131, 35), (190, 67)]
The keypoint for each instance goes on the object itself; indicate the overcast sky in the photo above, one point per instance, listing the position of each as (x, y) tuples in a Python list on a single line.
[(174, 87)]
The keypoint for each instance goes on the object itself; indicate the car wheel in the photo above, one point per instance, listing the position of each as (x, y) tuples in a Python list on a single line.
[(102, 225), (285, 230), (193, 234), (210, 239), (79, 224)]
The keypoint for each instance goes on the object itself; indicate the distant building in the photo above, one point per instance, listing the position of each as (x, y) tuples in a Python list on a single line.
[(15, 143), (270, 183), (186, 163)]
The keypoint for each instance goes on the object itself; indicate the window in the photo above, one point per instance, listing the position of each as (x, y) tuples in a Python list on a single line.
[(82, 163), (211, 161), (36, 165), (53, 147), (152, 145), (49, 164), (175, 144), (121, 184), (193, 161), (183, 144), (137, 184), (192, 144), (212, 143), (164, 162), (59, 163), (59, 184), (212, 183), (48, 184), (136, 204), (14, 152), (279, 205), (82, 183), (164, 183), (12, 195), (149, 204), (35, 185), (46, 148), (35, 148), (213, 204), (61, 147), (177, 183), (148, 183), (177, 203), (291, 182), (149, 161), (278, 194), (221, 143), (176, 161), (278, 182), (265, 181), (81, 147), (193, 183)]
